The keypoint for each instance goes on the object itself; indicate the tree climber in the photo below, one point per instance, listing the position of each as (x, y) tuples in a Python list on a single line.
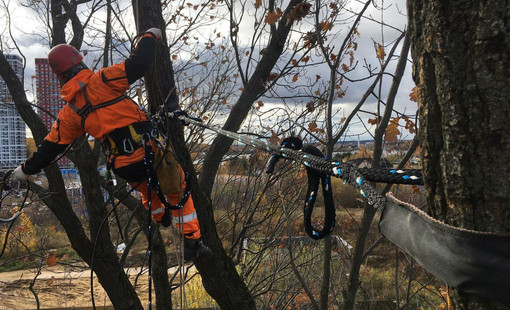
[(98, 105)]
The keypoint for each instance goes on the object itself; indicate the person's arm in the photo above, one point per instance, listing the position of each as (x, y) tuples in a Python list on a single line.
[(143, 55), (64, 130), (44, 155)]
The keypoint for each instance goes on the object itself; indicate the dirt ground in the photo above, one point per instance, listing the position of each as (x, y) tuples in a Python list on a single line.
[(56, 288)]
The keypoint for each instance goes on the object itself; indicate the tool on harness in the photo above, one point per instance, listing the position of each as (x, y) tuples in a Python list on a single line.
[(125, 140), (155, 183), (88, 108)]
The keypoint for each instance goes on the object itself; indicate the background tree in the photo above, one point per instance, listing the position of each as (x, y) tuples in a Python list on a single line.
[(462, 70), (106, 263)]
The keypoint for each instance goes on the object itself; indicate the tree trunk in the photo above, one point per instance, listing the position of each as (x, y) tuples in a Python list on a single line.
[(219, 276), (462, 69), (255, 88)]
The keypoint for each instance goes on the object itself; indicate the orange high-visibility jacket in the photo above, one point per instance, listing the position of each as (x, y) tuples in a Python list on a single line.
[(105, 85)]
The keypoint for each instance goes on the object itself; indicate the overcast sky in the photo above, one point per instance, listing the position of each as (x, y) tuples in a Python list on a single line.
[(27, 34)]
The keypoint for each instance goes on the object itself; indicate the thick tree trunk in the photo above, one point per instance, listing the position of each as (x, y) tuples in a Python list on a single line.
[(219, 276), (462, 69)]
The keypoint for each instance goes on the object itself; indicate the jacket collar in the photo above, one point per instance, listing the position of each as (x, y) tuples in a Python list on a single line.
[(75, 84)]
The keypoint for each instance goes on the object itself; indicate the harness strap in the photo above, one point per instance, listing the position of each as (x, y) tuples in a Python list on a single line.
[(125, 140), (89, 108)]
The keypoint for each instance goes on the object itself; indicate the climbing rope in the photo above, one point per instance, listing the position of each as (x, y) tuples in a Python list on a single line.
[(359, 178), (313, 186)]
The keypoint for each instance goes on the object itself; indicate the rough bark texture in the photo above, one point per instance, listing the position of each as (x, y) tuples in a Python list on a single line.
[(462, 68)]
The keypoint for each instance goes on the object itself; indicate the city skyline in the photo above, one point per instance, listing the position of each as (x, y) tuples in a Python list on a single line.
[(13, 149)]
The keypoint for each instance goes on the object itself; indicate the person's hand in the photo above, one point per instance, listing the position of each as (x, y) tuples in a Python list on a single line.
[(19, 175), (156, 33)]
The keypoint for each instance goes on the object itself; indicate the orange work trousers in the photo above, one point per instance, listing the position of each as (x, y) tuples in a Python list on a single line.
[(185, 218)]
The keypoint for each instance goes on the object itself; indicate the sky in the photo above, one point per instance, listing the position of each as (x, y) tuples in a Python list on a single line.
[(27, 35)]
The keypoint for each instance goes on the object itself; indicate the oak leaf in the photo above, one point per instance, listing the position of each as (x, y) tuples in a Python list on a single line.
[(310, 106), (299, 11), (50, 281), (258, 3), (413, 96), (312, 127), (274, 139), (272, 76), (295, 77), (392, 132), (273, 17), (373, 121)]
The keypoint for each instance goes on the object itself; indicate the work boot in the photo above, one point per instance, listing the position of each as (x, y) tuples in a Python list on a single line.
[(195, 248)]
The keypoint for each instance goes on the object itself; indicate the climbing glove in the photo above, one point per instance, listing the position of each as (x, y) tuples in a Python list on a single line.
[(19, 175), (156, 34)]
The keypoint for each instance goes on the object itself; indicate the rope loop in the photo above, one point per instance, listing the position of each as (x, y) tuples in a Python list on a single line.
[(314, 177)]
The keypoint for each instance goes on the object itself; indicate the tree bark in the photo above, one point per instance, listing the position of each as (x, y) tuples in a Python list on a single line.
[(462, 69), (219, 276)]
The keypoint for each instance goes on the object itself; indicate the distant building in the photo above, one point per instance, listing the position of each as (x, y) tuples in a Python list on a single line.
[(48, 98), (13, 148)]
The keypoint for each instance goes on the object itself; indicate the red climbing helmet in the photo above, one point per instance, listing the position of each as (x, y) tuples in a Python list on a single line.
[(63, 57)]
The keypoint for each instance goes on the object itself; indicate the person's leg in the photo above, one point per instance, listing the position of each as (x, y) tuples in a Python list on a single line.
[(187, 221), (185, 218), (157, 207)]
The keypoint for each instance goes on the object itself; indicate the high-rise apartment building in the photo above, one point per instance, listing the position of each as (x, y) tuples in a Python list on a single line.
[(48, 97), (13, 148)]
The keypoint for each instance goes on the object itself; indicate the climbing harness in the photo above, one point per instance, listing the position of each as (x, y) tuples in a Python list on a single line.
[(88, 108)]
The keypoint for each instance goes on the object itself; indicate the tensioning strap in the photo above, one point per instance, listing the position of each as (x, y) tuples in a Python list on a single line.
[(470, 261)]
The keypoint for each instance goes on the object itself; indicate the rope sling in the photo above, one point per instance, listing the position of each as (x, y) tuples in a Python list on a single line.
[(470, 261)]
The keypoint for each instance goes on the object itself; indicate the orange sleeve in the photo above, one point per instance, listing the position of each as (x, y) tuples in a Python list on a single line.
[(66, 128), (115, 77)]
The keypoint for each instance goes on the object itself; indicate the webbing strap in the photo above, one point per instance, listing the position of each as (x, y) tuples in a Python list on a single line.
[(471, 261), (89, 108)]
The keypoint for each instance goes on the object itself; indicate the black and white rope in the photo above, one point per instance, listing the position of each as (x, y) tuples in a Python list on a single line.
[(359, 178)]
